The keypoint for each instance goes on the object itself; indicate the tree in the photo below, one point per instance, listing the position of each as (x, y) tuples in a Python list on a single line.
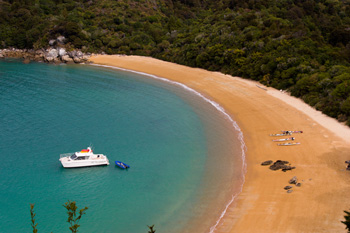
[(32, 215), (151, 230), (73, 219), (347, 220)]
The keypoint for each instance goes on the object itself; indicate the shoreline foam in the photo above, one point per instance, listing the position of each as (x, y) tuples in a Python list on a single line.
[(263, 205), (222, 112)]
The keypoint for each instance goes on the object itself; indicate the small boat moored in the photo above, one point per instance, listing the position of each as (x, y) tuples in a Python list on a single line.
[(280, 134), (283, 139), (288, 144), (291, 131), (83, 158), (121, 165)]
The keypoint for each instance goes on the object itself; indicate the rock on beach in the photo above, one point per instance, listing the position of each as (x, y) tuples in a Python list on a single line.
[(56, 53)]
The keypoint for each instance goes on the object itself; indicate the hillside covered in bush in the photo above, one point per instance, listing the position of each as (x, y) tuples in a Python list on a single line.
[(302, 46)]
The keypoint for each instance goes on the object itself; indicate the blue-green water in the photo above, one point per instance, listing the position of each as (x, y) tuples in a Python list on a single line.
[(182, 157)]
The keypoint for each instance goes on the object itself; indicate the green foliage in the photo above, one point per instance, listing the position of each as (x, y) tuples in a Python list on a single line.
[(347, 220), (73, 217), (32, 215)]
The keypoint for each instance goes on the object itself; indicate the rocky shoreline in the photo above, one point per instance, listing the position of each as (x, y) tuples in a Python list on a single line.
[(56, 53), (50, 55)]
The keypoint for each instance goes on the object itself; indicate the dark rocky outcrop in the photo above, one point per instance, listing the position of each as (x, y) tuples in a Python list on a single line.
[(287, 168), (268, 162), (280, 164), (294, 180)]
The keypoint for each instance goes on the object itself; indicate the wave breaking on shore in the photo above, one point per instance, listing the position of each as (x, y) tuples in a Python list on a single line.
[(219, 108)]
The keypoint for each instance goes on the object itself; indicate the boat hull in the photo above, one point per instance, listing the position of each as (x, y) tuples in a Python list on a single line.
[(74, 165), (68, 163)]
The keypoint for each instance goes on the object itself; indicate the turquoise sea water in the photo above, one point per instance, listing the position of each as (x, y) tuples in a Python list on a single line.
[(184, 156)]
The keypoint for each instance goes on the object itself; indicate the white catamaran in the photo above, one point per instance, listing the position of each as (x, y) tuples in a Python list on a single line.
[(83, 158)]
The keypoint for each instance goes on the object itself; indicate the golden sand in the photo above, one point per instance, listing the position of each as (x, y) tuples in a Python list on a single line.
[(263, 205)]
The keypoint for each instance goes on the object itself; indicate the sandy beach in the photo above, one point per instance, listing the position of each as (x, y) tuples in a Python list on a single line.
[(263, 205)]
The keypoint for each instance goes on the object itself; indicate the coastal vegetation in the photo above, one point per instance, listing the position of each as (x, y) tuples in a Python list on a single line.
[(347, 220), (299, 46), (73, 216), (151, 230), (32, 218)]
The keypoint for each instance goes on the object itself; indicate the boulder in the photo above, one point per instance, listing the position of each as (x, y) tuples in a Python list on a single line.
[(294, 180), (26, 60), (86, 57), (298, 184), (66, 58), (52, 42), (287, 168), (77, 60), (268, 162), (72, 53), (279, 164), (52, 53), (39, 55), (62, 52), (61, 39), (79, 54), (288, 187), (49, 59), (289, 191), (38, 58), (57, 60)]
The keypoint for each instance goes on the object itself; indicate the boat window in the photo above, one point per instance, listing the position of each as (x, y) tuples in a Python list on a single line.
[(73, 156)]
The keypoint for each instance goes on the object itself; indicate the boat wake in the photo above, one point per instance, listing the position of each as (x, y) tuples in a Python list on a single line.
[(223, 112)]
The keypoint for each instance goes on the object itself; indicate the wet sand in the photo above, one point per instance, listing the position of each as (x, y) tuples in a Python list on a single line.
[(263, 205)]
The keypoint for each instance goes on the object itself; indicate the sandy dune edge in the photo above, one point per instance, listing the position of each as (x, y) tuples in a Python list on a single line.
[(263, 205)]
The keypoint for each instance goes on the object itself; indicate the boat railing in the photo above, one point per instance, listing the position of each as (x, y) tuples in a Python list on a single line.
[(66, 154)]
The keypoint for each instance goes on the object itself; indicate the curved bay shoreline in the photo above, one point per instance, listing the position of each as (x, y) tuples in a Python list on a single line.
[(263, 205)]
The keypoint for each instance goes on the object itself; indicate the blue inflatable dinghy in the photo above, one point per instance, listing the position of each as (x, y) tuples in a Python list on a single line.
[(121, 165)]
